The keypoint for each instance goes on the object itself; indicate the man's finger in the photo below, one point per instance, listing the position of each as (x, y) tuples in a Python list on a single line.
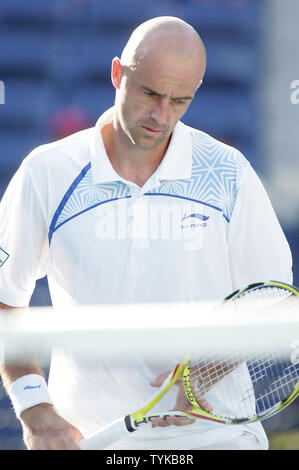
[(179, 421), (171, 421), (157, 382)]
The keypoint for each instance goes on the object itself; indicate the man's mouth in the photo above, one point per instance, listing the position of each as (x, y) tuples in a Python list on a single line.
[(150, 130)]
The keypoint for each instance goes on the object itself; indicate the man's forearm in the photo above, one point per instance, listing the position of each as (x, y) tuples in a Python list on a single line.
[(43, 428), (11, 372)]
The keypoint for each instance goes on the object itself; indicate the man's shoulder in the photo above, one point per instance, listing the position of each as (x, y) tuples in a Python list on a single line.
[(210, 148), (71, 150)]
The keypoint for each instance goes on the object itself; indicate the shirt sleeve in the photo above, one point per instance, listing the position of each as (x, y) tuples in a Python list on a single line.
[(258, 249), (23, 239)]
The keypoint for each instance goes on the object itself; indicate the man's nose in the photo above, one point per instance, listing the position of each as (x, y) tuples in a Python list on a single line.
[(159, 113)]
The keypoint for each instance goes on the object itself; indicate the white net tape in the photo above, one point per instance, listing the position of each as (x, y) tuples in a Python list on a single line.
[(154, 329)]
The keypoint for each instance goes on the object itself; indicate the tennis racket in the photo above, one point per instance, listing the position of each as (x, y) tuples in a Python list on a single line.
[(226, 389)]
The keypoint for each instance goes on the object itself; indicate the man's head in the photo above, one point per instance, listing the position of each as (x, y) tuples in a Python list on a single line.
[(156, 78)]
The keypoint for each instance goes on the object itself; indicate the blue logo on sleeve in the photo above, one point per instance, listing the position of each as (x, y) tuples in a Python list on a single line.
[(3, 256)]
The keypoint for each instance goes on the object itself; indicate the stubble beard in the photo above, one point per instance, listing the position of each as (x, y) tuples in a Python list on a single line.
[(132, 134), (142, 141)]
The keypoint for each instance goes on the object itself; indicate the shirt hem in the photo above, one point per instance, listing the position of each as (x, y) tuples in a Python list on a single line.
[(13, 301)]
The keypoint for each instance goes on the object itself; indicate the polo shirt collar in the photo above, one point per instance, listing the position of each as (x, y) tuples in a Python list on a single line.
[(176, 163)]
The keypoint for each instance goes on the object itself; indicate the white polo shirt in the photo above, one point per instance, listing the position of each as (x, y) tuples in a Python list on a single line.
[(201, 227)]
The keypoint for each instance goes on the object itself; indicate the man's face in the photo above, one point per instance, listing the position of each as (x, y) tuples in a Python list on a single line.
[(152, 98)]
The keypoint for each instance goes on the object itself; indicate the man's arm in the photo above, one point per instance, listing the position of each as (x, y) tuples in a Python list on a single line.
[(43, 428), (258, 249)]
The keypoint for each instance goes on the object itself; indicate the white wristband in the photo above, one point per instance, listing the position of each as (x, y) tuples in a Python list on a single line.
[(27, 391)]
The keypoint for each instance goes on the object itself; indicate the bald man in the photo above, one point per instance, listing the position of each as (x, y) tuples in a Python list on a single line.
[(160, 70), (140, 208)]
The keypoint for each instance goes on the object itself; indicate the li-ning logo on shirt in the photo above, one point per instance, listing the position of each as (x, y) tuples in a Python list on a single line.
[(30, 387), (194, 220), (3, 257)]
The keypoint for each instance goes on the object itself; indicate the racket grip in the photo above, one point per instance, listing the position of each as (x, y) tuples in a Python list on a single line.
[(106, 436)]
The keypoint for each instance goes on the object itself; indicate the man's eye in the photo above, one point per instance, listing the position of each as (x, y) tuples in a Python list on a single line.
[(149, 93), (180, 101)]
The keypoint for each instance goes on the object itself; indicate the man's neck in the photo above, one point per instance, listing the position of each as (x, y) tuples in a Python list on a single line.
[(131, 162)]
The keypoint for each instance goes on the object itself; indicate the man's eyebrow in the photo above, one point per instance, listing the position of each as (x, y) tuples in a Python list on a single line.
[(153, 92)]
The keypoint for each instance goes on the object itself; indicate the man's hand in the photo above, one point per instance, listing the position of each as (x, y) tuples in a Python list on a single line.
[(181, 404), (44, 429)]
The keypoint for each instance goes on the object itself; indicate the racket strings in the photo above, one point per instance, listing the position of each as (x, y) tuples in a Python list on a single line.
[(278, 376), (266, 380), (207, 372), (239, 387), (271, 380)]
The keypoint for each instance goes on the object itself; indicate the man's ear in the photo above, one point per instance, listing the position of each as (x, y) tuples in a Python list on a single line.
[(116, 72)]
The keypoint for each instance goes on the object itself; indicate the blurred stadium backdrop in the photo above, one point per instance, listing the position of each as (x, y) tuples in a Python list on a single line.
[(55, 61)]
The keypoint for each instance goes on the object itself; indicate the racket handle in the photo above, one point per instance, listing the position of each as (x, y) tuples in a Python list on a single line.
[(107, 436)]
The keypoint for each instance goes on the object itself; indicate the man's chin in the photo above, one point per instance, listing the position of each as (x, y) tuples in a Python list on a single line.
[(148, 142)]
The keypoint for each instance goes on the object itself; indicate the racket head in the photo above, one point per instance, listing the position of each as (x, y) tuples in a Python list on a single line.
[(251, 388), (273, 291)]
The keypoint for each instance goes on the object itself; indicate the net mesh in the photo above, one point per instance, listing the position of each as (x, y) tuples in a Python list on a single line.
[(241, 341)]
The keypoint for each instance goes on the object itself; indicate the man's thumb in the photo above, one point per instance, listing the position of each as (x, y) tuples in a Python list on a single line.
[(157, 382)]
